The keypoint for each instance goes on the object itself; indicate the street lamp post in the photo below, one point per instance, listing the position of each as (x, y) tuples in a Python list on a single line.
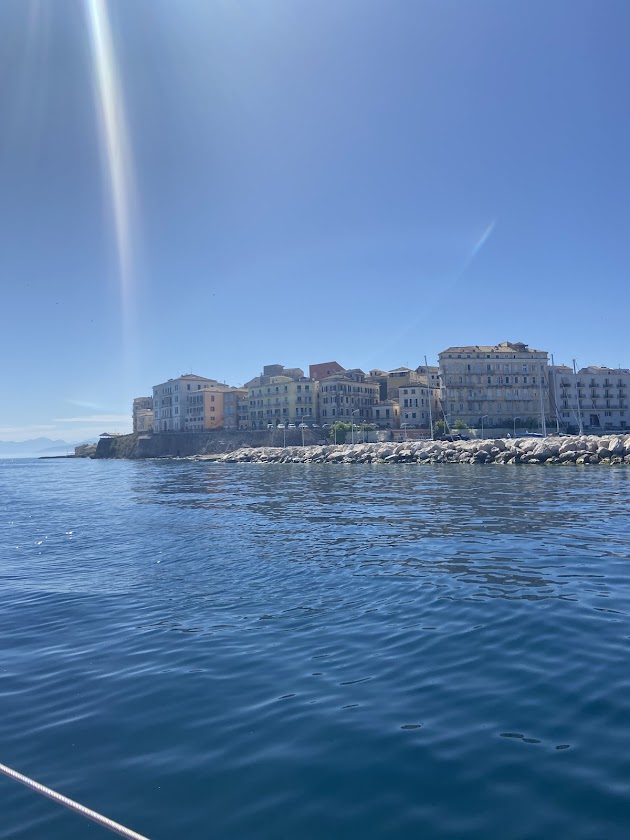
[(404, 426), (482, 419), (426, 367), (352, 423), (515, 419), (302, 424)]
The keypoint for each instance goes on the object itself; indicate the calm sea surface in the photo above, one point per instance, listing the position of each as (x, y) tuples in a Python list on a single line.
[(312, 651)]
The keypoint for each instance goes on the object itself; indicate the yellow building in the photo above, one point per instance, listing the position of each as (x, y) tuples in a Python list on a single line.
[(282, 399)]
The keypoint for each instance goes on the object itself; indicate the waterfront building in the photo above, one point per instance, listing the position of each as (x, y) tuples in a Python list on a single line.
[(431, 373), (386, 414), (348, 396), (231, 402), (397, 378), (414, 405), (143, 421), (214, 407), (170, 400), (380, 377), (501, 384), (140, 406), (282, 399), (319, 371), (270, 371), (242, 407), (594, 399)]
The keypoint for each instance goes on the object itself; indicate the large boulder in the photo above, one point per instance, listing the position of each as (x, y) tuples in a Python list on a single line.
[(616, 446)]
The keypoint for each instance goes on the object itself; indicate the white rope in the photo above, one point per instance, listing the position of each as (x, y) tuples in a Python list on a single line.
[(70, 803)]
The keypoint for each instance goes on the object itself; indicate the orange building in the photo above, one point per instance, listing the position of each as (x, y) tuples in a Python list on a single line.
[(213, 408)]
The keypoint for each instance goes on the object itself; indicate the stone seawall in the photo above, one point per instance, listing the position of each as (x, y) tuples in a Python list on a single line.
[(183, 444), (583, 449)]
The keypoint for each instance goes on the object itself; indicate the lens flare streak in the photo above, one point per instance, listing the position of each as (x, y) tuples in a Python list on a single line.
[(114, 137)]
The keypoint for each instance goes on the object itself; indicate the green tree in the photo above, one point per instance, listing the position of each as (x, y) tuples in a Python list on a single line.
[(439, 428), (460, 425), (339, 431)]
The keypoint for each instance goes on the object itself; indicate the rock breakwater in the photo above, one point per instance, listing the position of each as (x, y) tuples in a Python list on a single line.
[(582, 449)]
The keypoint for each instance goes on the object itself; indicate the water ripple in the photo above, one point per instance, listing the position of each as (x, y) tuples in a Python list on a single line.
[(290, 650)]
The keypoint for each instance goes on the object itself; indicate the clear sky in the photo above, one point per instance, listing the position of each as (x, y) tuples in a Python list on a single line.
[(214, 186)]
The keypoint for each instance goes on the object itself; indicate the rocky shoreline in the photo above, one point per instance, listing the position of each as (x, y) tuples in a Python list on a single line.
[(582, 449)]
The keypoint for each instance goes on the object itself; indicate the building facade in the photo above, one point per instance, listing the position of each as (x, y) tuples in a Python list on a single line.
[(144, 421), (319, 371), (170, 401), (593, 400), (140, 406), (414, 403), (504, 385), (231, 400), (281, 399), (348, 397), (386, 414), (242, 407), (399, 377), (215, 407)]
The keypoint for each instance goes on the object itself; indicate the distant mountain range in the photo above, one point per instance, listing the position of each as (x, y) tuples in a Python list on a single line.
[(36, 446)]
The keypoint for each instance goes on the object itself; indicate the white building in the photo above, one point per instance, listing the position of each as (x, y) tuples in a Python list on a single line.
[(414, 406), (595, 399), (506, 385), (170, 401)]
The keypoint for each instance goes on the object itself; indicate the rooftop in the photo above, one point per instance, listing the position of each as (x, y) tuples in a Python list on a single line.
[(503, 347)]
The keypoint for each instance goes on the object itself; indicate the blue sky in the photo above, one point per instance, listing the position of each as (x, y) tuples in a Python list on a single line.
[(295, 182)]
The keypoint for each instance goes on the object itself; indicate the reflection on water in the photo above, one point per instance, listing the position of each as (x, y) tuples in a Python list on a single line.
[(299, 650)]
